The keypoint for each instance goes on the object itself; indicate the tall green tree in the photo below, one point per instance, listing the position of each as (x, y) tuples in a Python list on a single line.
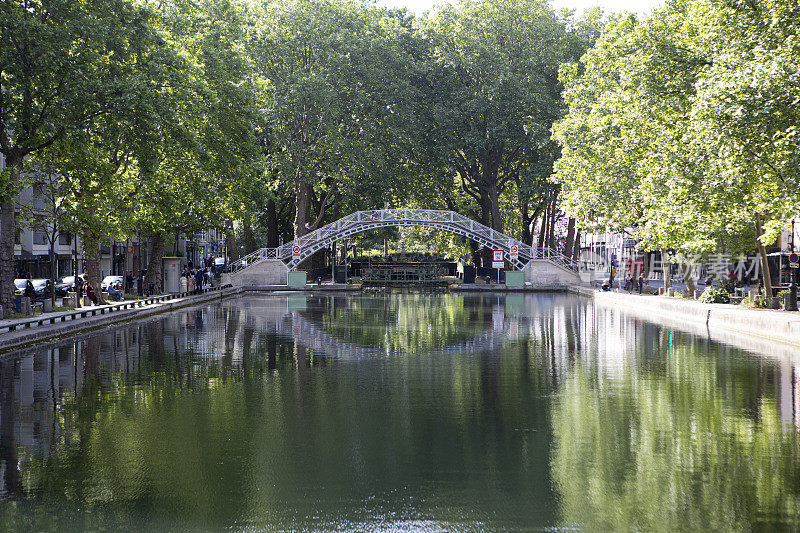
[(339, 70), (494, 93), (56, 70), (681, 125)]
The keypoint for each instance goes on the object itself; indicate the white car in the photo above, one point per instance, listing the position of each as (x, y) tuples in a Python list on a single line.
[(108, 280)]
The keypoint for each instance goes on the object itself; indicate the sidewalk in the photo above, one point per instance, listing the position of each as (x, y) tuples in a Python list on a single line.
[(18, 332)]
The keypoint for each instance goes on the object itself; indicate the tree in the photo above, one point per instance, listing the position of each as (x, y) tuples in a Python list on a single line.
[(54, 59), (494, 93), (337, 129), (669, 137), (49, 212)]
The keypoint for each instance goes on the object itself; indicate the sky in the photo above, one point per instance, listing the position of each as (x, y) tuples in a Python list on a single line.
[(639, 6)]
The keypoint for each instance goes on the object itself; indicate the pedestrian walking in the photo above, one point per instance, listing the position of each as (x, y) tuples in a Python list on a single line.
[(641, 282), (198, 279), (190, 282)]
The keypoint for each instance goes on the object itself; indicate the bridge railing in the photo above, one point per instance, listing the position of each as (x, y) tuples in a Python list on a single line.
[(365, 220)]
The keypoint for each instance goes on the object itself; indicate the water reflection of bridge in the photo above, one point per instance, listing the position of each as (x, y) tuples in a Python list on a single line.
[(554, 334), (303, 331)]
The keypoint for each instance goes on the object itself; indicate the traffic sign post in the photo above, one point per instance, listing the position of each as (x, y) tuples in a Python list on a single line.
[(513, 253), (498, 261), (296, 252)]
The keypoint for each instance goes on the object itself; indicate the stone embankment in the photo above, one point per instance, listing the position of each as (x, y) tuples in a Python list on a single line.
[(17, 333), (763, 330)]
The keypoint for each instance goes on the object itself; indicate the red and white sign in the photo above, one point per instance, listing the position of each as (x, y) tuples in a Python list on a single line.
[(794, 260), (295, 252), (513, 252), (498, 259)]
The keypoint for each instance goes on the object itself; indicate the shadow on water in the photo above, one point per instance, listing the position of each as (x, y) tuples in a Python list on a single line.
[(397, 411)]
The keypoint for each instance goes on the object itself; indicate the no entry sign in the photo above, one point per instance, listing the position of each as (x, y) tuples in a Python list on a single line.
[(295, 252), (498, 259)]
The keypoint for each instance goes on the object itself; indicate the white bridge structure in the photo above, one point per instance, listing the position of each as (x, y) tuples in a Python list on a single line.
[(270, 266)]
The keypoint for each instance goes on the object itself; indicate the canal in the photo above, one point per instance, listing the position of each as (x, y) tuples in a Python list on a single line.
[(399, 411)]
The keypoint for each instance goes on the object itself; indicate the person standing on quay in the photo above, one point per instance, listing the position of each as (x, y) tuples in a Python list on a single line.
[(198, 279)]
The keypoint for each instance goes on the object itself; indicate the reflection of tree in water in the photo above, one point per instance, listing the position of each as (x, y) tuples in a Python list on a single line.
[(675, 444), (405, 322), (12, 481)]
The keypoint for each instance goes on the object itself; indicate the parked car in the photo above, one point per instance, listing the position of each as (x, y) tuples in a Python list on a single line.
[(19, 286), (66, 284), (41, 287), (110, 279)]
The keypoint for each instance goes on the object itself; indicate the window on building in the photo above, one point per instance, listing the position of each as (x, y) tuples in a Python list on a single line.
[(39, 237), (64, 239)]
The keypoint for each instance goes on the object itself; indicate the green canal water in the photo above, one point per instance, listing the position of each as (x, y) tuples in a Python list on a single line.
[(398, 412)]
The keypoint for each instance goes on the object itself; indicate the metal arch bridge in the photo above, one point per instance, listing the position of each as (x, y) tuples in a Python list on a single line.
[(426, 218)]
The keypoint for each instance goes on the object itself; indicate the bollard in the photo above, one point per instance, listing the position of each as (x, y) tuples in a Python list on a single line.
[(47, 306), (670, 292)]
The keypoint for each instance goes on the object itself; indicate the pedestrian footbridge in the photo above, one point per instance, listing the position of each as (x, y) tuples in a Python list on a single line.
[(270, 266)]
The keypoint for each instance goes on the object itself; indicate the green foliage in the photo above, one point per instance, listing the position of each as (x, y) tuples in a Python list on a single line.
[(680, 126), (715, 295)]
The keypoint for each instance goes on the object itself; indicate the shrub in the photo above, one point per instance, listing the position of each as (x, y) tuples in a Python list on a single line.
[(715, 295)]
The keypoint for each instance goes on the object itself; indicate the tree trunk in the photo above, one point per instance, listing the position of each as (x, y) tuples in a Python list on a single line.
[(494, 208), (475, 250), (646, 265), (687, 277), (666, 270), (576, 248), (154, 266), (527, 233), (543, 227), (52, 273), (231, 247), (301, 206), (272, 224), (570, 242), (551, 232), (7, 237), (91, 262), (762, 252), (248, 237), (486, 220)]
